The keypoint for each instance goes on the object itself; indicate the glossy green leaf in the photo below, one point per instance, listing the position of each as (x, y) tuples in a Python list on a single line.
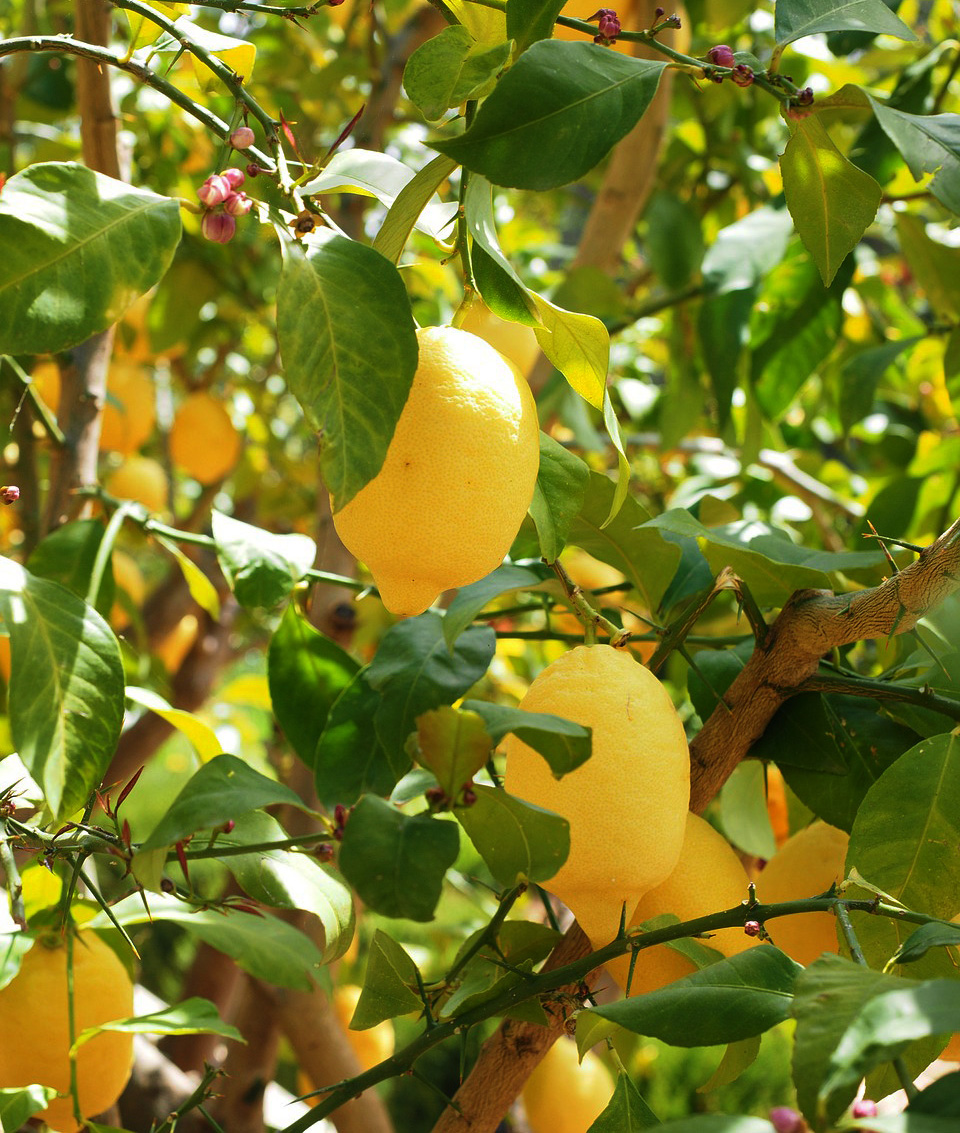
[(722, 327), (555, 115), (639, 553), (745, 251), (266, 947), (733, 999), (194, 1016), (832, 202), (519, 842), (451, 68), (219, 791), (531, 20), (562, 743), (928, 936), (395, 862), (737, 1058), (906, 841), (626, 1112), (19, 1104), (717, 1123), (287, 879), (500, 289), (578, 345), (352, 384), (558, 495), (350, 759), (67, 556), (797, 18), (454, 744), (65, 697), (79, 247), (261, 568), (306, 671), (388, 984), (929, 143), (470, 600), (413, 198), (743, 811)]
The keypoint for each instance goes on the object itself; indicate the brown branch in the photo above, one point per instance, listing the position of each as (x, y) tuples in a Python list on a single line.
[(249, 1066)]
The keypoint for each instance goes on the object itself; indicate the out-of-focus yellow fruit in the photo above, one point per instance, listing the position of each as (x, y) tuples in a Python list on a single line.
[(514, 341), (627, 804), (203, 441), (178, 642), (140, 478), (708, 877), (372, 1045), (564, 1096), (130, 580), (35, 1033), (128, 414), (5, 658), (807, 864), (777, 807), (46, 380), (457, 479), (952, 1051)]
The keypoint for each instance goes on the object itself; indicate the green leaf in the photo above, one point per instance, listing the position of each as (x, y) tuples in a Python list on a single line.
[(935, 265), (201, 735), (927, 936), (906, 841), (79, 247), (415, 670), (395, 862), (556, 114), (451, 68), (797, 18), (558, 496), (827, 997), (531, 20), (639, 553), (500, 289), (219, 791), (351, 383), (733, 999), (519, 842), (306, 672), (715, 1123), (906, 1122), (747, 250), (388, 984), (578, 345), (202, 590), (67, 556), (413, 198), (470, 600), (288, 879), (674, 244), (266, 947), (350, 760), (626, 1112), (194, 1016), (562, 743), (832, 202), (261, 568), (20, 1103), (454, 744), (65, 696), (722, 327), (940, 1098), (13, 947), (743, 811), (737, 1058), (929, 143)]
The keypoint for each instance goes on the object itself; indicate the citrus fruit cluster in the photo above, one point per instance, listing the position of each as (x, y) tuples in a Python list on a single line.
[(457, 479)]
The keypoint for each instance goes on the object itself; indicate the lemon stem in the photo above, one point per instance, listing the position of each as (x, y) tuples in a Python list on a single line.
[(591, 619), (462, 242)]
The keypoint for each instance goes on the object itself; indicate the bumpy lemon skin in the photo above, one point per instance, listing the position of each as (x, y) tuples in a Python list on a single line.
[(35, 1035), (561, 1096), (457, 479), (627, 804), (808, 863), (708, 877)]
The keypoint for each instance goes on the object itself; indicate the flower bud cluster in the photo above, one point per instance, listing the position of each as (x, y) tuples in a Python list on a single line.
[(722, 56), (608, 26), (223, 203)]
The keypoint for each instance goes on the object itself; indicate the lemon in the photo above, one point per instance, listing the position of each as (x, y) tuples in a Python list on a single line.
[(203, 441), (129, 578), (708, 878), (627, 804), (35, 1033), (140, 478), (128, 413), (514, 341), (806, 865), (564, 1096), (178, 642), (372, 1045), (458, 476)]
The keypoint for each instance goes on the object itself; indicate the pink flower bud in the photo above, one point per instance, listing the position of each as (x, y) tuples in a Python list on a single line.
[(742, 75), (218, 227), (721, 56), (253, 170), (233, 177), (608, 26), (787, 1120), (752, 928), (237, 204), (214, 191), (242, 137), (864, 1108), (9, 493)]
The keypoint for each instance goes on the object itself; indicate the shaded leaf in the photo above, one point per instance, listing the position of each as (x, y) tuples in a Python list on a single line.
[(797, 18), (194, 1016), (562, 743), (531, 20), (626, 1112), (927, 936), (67, 556), (350, 760), (737, 1058), (470, 600), (518, 841), (388, 984), (558, 495)]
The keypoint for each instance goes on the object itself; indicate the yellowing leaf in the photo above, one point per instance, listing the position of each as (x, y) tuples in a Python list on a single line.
[(201, 735), (578, 345), (236, 54), (486, 25), (143, 30)]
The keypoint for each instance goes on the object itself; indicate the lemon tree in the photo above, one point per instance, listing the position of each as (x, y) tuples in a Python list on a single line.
[(479, 515)]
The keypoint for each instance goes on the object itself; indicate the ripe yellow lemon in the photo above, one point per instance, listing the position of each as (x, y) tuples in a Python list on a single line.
[(35, 1033), (371, 1046), (45, 377), (140, 478), (5, 658), (708, 877), (627, 804), (563, 1095), (203, 441), (514, 341), (129, 578), (457, 479), (807, 864), (128, 413), (179, 641)]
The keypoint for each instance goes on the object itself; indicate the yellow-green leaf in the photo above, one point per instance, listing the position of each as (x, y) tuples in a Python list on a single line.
[(486, 25), (201, 735), (578, 345), (143, 30)]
